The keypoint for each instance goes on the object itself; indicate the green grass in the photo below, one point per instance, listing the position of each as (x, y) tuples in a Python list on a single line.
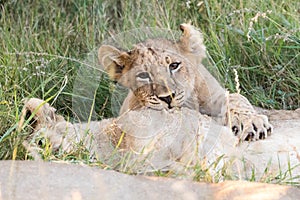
[(44, 43)]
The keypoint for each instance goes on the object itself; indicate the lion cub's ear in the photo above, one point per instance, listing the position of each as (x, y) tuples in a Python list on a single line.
[(114, 61), (191, 41)]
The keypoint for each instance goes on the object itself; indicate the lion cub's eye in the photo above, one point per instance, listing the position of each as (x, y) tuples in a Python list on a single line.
[(174, 66), (143, 75)]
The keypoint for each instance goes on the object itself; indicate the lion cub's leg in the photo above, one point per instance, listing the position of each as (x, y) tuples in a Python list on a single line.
[(244, 121)]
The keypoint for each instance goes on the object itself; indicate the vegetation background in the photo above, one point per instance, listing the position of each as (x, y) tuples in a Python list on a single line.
[(43, 42)]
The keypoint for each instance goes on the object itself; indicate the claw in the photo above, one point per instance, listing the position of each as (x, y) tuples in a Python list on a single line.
[(262, 135), (254, 127), (235, 130), (269, 130), (250, 137)]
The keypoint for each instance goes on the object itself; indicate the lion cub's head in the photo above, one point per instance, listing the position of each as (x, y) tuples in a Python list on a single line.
[(160, 73)]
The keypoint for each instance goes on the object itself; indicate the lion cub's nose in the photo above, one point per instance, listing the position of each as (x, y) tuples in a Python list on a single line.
[(168, 99)]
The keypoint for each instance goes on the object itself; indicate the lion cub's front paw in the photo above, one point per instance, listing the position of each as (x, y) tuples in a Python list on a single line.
[(245, 122), (251, 127)]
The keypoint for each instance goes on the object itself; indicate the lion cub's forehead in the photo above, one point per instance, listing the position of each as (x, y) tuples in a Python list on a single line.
[(153, 53)]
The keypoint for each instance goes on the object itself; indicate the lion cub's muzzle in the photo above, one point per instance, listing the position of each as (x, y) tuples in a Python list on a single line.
[(159, 97), (167, 99)]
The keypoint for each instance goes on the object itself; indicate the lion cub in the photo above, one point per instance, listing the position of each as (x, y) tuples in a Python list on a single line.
[(162, 74)]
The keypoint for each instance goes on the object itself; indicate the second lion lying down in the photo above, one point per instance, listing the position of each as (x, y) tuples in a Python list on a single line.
[(146, 140)]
